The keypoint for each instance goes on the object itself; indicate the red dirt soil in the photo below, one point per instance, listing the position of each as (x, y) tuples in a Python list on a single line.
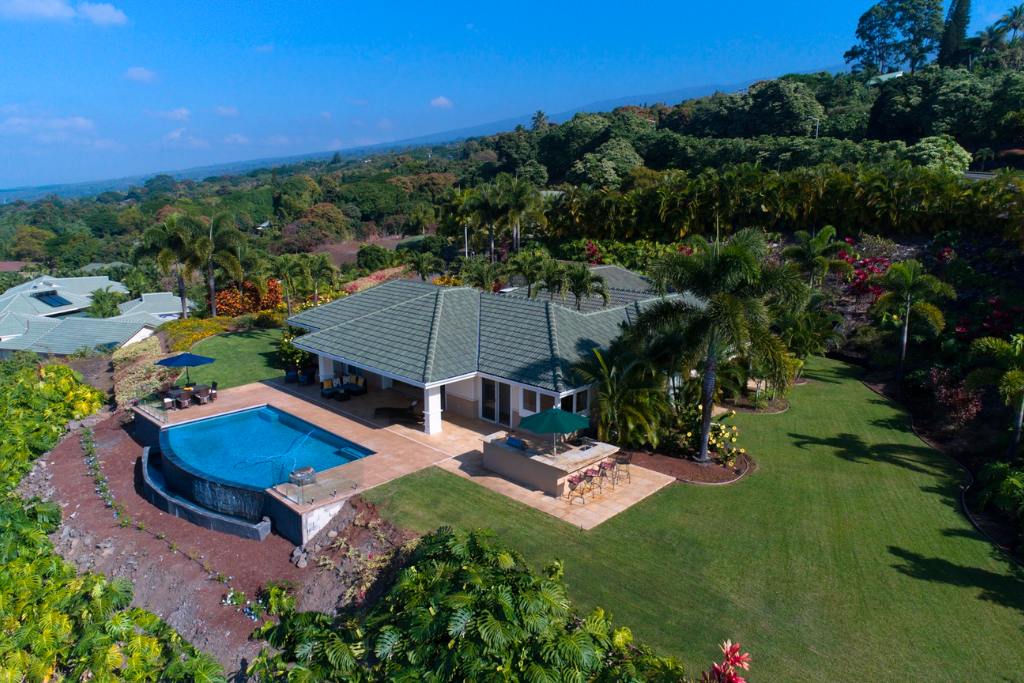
[(168, 583), (345, 252), (686, 470)]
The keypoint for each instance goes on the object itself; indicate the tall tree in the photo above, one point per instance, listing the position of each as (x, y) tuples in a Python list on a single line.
[(954, 33), (215, 250), (1013, 20), (730, 285), (321, 271), (1005, 372), (424, 264), (529, 266), (816, 255), (920, 24), (909, 293), (520, 202), (878, 45), (167, 244), (540, 120), (487, 210), (482, 274), (552, 279), (991, 38), (289, 269)]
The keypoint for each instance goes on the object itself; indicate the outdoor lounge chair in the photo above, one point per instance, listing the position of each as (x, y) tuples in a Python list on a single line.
[(291, 374), (402, 415), (356, 386), (328, 388)]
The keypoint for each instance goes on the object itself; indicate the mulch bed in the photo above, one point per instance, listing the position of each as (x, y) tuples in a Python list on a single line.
[(686, 470), (745, 405), (98, 372), (168, 583)]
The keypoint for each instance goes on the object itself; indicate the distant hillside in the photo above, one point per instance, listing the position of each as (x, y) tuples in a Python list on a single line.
[(88, 189)]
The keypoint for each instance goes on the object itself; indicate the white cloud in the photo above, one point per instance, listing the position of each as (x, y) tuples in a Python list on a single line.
[(9, 109), (179, 114), (180, 137), (325, 116), (384, 124), (25, 125), (138, 73), (236, 139), (102, 14), (441, 102), (225, 111), (277, 140)]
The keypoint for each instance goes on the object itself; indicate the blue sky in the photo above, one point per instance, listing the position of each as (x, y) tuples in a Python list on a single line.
[(92, 90)]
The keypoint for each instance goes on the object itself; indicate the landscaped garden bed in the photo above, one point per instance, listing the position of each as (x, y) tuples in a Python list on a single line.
[(685, 469)]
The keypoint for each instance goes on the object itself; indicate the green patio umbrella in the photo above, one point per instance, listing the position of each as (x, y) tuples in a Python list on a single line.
[(554, 421)]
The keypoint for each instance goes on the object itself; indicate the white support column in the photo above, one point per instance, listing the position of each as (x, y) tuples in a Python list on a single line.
[(432, 410), (326, 368)]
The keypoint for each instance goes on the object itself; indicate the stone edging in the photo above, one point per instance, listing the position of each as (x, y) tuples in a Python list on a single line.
[(970, 477), (751, 466)]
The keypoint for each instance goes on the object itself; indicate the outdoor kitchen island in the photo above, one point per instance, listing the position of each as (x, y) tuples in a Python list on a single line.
[(535, 466)]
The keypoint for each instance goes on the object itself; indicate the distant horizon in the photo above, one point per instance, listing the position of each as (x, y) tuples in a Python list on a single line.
[(98, 91)]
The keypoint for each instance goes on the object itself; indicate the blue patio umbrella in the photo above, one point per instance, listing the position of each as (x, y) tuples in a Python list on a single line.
[(185, 360), (554, 421)]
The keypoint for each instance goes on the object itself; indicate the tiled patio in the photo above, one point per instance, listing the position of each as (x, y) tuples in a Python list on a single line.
[(404, 449)]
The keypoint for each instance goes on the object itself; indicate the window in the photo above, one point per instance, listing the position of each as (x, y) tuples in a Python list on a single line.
[(582, 401), (530, 400), (547, 402), (566, 403), (353, 370)]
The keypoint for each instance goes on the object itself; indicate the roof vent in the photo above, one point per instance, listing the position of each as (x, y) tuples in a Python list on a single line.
[(508, 290)]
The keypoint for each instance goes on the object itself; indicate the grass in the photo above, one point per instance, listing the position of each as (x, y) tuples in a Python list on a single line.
[(845, 558), (242, 358)]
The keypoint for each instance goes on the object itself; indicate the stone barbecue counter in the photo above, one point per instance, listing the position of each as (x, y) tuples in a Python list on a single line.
[(539, 468)]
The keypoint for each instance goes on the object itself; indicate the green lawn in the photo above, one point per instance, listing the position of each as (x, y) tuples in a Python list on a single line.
[(242, 358), (844, 558)]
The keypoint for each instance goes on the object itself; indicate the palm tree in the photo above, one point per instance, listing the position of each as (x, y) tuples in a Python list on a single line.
[(105, 303), (530, 267), (486, 208), (816, 255), (909, 293), (1007, 373), (729, 286), (584, 283), (985, 154), (520, 202), (167, 244), (552, 279), (320, 270), (254, 266), (1013, 20), (481, 274), (808, 332), (629, 403), (540, 120), (289, 269), (215, 250), (991, 38), (423, 264)]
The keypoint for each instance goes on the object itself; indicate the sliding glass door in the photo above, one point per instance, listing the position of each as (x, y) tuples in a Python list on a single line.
[(496, 402)]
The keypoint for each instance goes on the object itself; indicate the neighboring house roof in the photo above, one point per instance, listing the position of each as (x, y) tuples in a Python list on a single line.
[(100, 266), (885, 77), (155, 303), (145, 318), (12, 266), (65, 336), (69, 285), (426, 333), (72, 294)]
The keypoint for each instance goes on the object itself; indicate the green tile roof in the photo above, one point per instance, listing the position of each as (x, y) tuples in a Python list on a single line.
[(156, 303), (426, 333), (76, 290)]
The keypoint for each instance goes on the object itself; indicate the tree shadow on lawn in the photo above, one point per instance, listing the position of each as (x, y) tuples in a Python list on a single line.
[(835, 374), (1002, 589), (852, 447)]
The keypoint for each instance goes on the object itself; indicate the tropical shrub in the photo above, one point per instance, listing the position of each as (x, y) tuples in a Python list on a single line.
[(373, 257), (252, 299), (467, 608), (57, 625), (289, 354), (723, 438), (1003, 486), (269, 320), (959, 404), (447, 281), (373, 280), (136, 372), (246, 321), (183, 333)]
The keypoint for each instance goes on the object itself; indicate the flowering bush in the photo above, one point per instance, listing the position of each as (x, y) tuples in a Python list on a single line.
[(447, 281), (722, 437), (726, 671), (289, 354), (136, 372), (998, 321), (232, 304), (959, 405), (183, 333), (380, 277)]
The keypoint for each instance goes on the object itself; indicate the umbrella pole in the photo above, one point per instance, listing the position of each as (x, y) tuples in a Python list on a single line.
[(554, 444)]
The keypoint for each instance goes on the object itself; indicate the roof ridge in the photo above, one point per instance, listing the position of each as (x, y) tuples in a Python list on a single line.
[(555, 356), (435, 325), (369, 313)]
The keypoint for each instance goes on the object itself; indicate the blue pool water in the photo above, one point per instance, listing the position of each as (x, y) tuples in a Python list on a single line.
[(258, 447)]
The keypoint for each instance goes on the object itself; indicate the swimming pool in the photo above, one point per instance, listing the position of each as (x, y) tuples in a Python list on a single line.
[(256, 448)]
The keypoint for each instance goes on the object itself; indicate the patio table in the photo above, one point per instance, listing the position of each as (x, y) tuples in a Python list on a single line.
[(191, 391)]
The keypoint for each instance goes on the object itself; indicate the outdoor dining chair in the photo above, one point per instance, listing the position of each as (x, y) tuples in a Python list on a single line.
[(575, 489), (622, 462), (213, 391), (593, 477), (203, 396), (607, 468)]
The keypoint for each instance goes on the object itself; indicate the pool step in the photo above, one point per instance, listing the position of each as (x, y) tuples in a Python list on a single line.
[(268, 415)]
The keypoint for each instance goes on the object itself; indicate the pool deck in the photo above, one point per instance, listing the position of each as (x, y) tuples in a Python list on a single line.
[(404, 449)]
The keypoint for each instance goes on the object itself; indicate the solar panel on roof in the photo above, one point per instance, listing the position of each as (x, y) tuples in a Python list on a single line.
[(54, 300), (61, 301)]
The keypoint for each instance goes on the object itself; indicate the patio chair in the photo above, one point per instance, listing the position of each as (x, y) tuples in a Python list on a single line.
[(213, 391), (168, 403), (622, 462), (574, 489), (203, 396), (593, 477), (607, 468), (328, 388), (306, 375), (184, 401), (291, 374), (356, 386)]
